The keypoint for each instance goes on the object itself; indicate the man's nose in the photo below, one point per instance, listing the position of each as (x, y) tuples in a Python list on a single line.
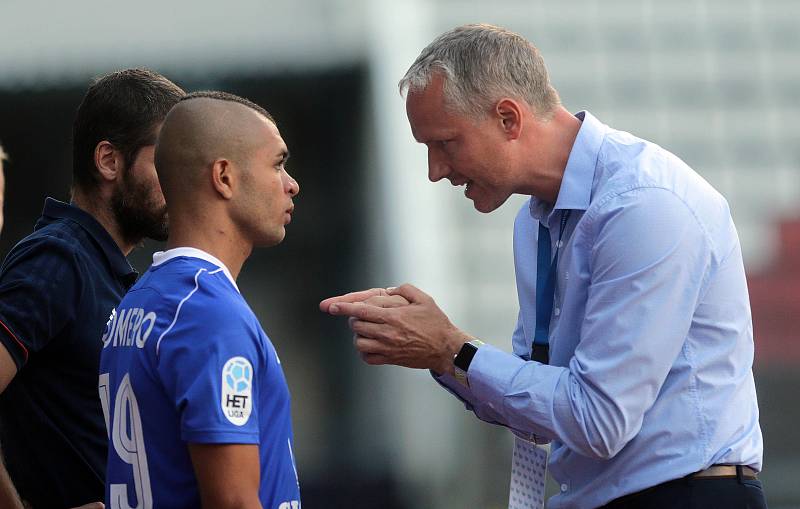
[(292, 187), (437, 166)]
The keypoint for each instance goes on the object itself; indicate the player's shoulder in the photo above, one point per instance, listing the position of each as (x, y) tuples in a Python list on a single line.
[(201, 289), (178, 276)]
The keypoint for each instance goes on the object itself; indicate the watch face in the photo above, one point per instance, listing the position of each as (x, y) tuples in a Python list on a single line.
[(464, 357)]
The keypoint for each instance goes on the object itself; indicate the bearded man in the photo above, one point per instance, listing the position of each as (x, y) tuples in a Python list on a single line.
[(60, 284)]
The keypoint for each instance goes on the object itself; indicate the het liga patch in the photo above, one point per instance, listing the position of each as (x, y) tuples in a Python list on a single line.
[(237, 390)]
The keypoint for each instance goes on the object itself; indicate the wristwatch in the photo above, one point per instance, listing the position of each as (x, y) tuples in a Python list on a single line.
[(463, 359)]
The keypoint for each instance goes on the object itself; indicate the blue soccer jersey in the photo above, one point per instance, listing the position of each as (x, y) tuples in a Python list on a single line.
[(185, 360)]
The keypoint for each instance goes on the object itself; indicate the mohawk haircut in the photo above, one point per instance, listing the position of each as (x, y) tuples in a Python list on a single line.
[(225, 96)]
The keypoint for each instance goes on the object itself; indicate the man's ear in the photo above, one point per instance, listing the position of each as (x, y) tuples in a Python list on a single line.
[(108, 161), (222, 178), (509, 113)]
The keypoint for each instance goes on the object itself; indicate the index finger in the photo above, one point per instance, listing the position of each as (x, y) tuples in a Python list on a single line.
[(387, 301), (360, 310), (361, 296)]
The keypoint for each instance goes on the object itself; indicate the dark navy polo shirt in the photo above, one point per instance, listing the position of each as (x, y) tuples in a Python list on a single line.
[(58, 287)]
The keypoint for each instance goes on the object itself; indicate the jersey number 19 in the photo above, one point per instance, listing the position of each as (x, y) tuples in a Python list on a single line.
[(126, 435)]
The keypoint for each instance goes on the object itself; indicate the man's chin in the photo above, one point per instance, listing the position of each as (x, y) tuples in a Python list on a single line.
[(158, 230), (486, 207), (482, 206)]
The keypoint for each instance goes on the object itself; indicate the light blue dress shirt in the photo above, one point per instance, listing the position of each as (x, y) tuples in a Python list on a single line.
[(651, 339)]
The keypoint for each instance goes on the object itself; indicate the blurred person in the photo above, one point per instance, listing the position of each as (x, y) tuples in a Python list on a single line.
[(199, 409), (59, 285), (633, 350), (3, 157)]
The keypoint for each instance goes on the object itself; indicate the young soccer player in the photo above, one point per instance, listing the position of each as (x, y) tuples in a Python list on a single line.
[(196, 402)]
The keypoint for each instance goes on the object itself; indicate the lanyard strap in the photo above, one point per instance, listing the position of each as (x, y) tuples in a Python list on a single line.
[(545, 289)]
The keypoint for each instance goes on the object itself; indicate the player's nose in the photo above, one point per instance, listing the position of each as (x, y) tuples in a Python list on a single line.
[(292, 186)]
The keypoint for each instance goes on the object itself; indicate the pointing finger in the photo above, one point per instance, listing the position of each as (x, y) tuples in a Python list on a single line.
[(351, 297), (359, 310), (387, 301)]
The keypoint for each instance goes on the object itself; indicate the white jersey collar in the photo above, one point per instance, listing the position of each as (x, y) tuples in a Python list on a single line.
[(192, 252)]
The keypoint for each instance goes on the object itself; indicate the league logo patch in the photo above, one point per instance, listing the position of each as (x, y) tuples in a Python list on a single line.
[(237, 385)]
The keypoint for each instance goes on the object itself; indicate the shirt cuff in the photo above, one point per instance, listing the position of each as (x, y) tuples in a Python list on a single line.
[(520, 391), (452, 386), (16, 349)]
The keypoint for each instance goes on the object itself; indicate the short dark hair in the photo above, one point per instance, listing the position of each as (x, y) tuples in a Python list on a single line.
[(225, 96), (122, 108)]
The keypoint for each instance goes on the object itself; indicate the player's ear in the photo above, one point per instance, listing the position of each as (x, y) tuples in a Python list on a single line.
[(222, 178), (108, 161)]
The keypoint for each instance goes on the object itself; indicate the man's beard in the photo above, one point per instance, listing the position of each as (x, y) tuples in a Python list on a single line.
[(137, 216)]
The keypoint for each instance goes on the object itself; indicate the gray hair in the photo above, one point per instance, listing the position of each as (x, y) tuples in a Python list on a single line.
[(481, 64)]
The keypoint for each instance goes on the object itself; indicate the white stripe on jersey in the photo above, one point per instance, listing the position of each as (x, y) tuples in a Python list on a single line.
[(180, 304)]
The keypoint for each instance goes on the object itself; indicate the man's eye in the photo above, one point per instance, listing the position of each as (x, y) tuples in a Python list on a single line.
[(444, 143)]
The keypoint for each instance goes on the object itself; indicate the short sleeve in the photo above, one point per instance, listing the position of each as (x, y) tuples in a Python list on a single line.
[(210, 363), (39, 280)]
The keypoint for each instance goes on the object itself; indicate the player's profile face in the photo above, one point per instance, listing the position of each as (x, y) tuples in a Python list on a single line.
[(268, 189)]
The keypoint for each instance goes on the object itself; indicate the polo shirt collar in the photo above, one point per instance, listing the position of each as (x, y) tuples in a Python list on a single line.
[(192, 252), (576, 185), (55, 209)]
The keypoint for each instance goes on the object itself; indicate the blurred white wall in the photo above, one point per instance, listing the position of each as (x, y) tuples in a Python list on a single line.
[(45, 42)]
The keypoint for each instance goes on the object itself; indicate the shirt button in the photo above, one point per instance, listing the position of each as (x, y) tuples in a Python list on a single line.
[(564, 487), (557, 311)]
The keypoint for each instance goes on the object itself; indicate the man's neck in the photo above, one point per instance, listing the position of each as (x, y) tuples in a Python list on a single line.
[(552, 146), (99, 208), (220, 242)]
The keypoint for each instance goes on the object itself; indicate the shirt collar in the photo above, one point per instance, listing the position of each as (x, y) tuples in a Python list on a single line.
[(55, 209), (576, 185), (192, 252)]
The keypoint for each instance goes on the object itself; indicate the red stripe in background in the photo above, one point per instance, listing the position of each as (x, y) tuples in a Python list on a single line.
[(774, 300), (24, 350)]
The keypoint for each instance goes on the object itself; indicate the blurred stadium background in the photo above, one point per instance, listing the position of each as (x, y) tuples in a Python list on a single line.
[(715, 81)]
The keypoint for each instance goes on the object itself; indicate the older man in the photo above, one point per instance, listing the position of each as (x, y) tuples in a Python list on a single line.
[(633, 349)]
